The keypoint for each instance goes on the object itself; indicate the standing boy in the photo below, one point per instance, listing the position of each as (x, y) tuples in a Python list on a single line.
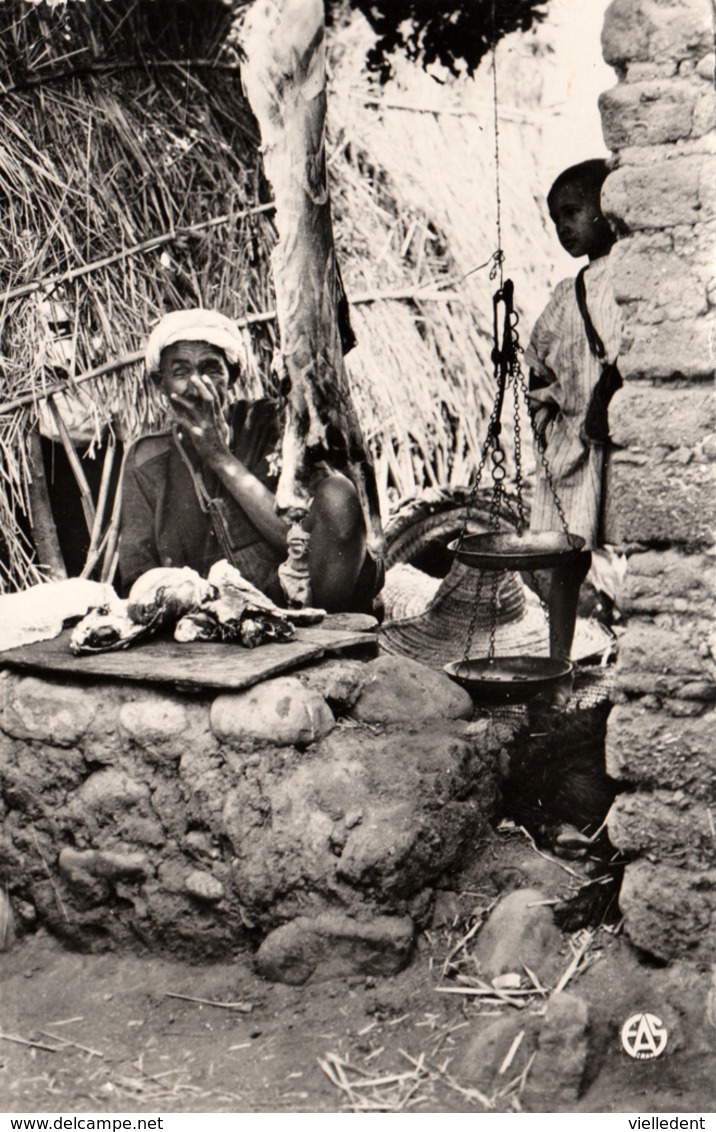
[(572, 358)]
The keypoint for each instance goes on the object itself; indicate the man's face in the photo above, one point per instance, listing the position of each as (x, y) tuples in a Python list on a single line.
[(183, 363), (576, 217)]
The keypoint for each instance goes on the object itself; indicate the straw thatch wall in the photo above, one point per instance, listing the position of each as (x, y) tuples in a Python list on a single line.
[(130, 185)]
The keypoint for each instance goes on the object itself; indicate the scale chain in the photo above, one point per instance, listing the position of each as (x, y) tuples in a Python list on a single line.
[(507, 369), (541, 450)]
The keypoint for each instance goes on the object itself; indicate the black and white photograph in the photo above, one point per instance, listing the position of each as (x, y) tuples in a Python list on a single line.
[(357, 563)]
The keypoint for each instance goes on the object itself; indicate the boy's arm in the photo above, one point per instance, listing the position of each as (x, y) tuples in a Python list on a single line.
[(542, 405)]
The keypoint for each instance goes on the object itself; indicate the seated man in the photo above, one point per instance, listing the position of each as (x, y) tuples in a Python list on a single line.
[(204, 490)]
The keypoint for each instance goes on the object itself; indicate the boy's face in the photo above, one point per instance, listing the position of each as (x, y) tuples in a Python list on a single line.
[(581, 228)]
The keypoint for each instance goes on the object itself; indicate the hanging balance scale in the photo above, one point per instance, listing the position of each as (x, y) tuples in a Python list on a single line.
[(511, 678)]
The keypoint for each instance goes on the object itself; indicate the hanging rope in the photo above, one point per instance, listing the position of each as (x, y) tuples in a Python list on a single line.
[(499, 256)]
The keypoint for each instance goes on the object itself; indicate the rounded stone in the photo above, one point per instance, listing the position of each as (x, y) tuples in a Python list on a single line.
[(58, 714), (110, 789), (152, 721), (281, 711), (204, 886), (520, 932), (331, 945), (399, 690)]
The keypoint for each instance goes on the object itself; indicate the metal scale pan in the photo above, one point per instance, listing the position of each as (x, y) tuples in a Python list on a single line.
[(509, 550), (507, 679)]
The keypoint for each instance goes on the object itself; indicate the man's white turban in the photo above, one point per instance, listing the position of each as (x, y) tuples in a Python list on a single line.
[(194, 325)]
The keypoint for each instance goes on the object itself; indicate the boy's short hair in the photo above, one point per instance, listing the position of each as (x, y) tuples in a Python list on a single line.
[(589, 175)]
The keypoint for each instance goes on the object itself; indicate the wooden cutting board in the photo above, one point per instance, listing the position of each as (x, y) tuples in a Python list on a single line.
[(194, 665)]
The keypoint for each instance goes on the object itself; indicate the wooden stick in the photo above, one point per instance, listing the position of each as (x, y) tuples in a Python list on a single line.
[(44, 529), (511, 1053), (69, 1042), (91, 561), (95, 545), (75, 464), (470, 1093), (50, 282), (535, 981), (547, 856), (242, 1007), (492, 992), (576, 959), (109, 565), (25, 1042), (30, 398), (461, 943), (343, 1082)]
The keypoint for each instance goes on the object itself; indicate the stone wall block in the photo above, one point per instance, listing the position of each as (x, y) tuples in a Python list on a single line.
[(665, 827), (670, 912), (370, 812), (650, 748), (696, 147), (519, 931), (655, 30), (665, 650), (661, 194), (282, 711), (625, 35), (660, 281), (704, 114), (203, 784), (661, 502), (668, 350), (642, 416), (399, 690), (50, 712), (650, 71), (647, 113), (666, 581)]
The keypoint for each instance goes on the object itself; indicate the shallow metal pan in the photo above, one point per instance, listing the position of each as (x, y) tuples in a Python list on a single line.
[(508, 550), (507, 679)]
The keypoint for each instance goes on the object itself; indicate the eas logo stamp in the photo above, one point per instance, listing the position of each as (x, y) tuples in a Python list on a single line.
[(644, 1036)]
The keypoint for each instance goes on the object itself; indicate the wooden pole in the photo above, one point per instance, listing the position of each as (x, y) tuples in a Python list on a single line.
[(284, 77), (44, 531)]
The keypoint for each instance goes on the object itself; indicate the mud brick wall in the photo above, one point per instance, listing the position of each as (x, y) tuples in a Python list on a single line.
[(659, 123)]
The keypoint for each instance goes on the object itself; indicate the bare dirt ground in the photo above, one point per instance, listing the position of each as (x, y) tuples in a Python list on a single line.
[(108, 1037)]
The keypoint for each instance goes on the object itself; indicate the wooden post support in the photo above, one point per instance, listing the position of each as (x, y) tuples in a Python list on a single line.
[(44, 531), (284, 77)]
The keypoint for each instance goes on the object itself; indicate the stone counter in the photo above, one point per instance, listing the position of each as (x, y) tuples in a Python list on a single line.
[(329, 800)]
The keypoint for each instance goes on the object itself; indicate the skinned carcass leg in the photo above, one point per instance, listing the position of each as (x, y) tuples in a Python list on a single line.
[(285, 81)]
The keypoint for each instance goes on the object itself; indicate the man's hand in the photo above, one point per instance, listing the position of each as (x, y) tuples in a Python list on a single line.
[(202, 415)]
